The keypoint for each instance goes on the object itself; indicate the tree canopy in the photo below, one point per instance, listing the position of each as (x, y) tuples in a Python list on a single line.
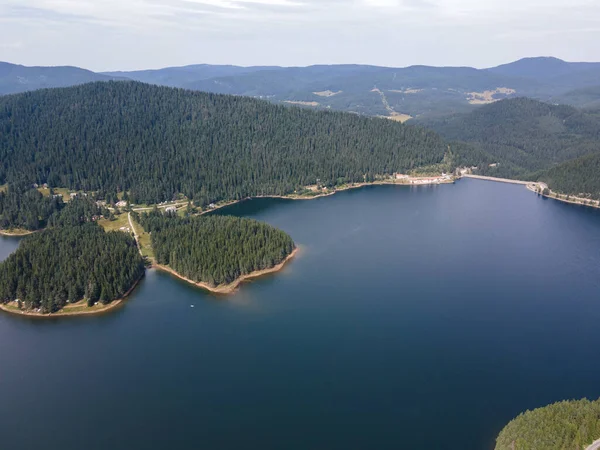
[(67, 264), (567, 425), (215, 249), (157, 142)]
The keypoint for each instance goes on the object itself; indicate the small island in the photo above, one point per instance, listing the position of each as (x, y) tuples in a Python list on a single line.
[(213, 252), (573, 424)]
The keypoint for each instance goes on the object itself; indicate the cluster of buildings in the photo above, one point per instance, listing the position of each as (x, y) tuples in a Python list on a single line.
[(444, 178)]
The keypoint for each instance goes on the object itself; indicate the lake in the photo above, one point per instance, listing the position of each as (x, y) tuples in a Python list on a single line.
[(414, 317)]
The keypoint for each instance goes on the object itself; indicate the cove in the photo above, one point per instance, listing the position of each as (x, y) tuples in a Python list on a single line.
[(414, 317)]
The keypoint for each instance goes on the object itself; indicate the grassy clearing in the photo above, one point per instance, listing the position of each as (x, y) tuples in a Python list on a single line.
[(144, 240), (115, 225), (66, 193)]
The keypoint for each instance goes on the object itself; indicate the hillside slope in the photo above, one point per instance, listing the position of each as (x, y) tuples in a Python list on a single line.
[(15, 78), (157, 142), (416, 91), (524, 133), (580, 177)]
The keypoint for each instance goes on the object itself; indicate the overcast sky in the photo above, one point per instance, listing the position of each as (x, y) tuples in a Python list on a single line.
[(135, 34)]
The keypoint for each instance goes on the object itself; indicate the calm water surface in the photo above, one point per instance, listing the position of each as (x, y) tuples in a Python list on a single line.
[(414, 318)]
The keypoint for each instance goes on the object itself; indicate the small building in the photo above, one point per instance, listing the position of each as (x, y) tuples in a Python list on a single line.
[(212, 206), (171, 209), (121, 204)]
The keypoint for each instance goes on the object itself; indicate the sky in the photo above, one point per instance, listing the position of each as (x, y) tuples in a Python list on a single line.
[(106, 35)]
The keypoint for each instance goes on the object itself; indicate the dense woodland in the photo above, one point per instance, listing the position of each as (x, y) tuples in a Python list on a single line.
[(525, 133), (26, 208), (568, 425), (580, 176), (67, 264), (157, 142), (215, 249)]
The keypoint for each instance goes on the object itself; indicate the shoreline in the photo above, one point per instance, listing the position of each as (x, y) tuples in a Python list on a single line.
[(533, 185), (553, 196), (326, 194), (233, 286), (64, 312), (17, 233)]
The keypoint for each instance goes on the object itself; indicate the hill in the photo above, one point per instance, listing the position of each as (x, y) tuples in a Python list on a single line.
[(563, 425), (584, 98), (577, 177), (415, 91), (15, 78), (524, 135), (157, 142), (542, 68), (183, 76)]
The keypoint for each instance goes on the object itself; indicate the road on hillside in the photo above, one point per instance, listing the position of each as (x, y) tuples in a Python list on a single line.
[(594, 446), (135, 235)]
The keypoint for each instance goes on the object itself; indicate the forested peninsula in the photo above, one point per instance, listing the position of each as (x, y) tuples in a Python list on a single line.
[(567, 425), (63, 266), (216, 252)]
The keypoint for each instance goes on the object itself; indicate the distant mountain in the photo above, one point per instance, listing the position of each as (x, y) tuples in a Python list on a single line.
[(584, 98), (524, 135), (539, 68), (185, 75), (15, 78), (396, 93)]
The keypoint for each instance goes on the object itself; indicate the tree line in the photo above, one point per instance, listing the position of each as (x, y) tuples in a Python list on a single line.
[(215, 249)]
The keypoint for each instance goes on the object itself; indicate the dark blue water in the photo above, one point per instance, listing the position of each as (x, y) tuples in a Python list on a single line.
[(416, 318)]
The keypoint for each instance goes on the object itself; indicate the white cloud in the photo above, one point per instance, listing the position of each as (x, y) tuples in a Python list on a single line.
[(111, 34)]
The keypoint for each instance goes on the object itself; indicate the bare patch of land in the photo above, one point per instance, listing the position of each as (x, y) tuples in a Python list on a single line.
[(16, 232), (327, 93), (398, 117), (406, 91), (485, 97), (231, 287), (294, 102)]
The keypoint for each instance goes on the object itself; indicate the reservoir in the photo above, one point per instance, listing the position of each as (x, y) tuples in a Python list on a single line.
[(413, 318)]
